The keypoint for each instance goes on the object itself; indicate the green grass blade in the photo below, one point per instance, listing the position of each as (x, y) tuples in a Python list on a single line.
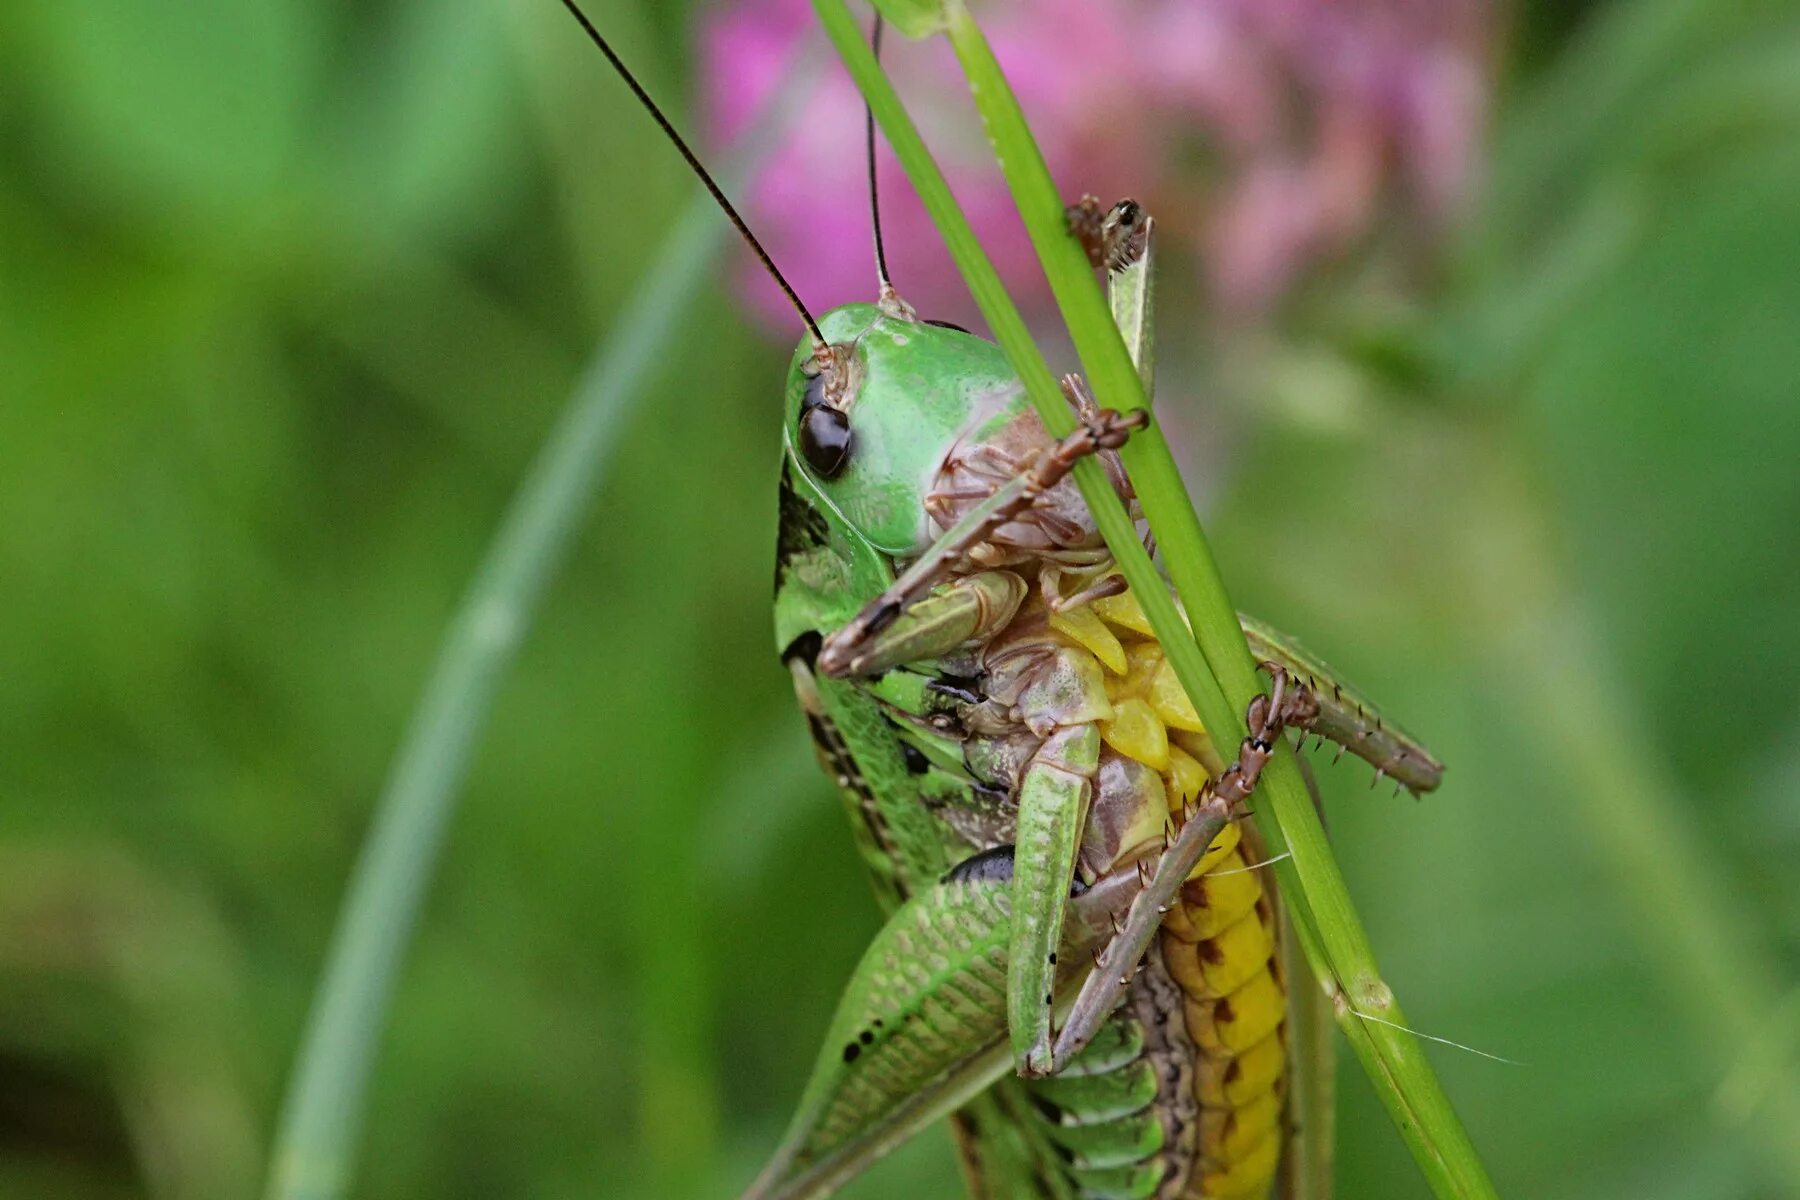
[(1225, 680), (322, 1114)]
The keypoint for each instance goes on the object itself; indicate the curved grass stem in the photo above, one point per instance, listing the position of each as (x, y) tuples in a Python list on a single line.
[(322, 1114)]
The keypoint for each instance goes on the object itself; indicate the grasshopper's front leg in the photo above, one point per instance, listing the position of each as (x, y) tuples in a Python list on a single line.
[(870, 642)]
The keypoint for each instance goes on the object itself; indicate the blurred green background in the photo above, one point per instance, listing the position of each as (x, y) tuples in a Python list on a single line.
[(290, 292)]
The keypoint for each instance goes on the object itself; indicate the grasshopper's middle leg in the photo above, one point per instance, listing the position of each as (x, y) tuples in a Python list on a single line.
[(1066, 690)]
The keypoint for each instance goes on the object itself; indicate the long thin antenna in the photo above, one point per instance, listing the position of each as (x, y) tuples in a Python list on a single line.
[(693, 163), (881, 267)]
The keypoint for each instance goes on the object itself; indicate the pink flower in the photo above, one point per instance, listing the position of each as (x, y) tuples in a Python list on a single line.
[(1265, 135)]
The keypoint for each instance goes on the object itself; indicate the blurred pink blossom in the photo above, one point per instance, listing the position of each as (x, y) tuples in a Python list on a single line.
[(1265, 135)]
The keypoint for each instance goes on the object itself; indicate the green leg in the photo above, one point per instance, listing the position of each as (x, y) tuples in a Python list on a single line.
[(964, 611), (1053, 804), (921, 1030), (1346, 716)]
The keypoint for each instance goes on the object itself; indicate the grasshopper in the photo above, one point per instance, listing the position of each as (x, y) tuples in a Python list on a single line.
[(1080, 963), (1042, 811)]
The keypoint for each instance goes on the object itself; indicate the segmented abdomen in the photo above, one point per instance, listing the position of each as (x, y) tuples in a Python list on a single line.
[(1183, 1098), (1220, 945), (1183, 1094)]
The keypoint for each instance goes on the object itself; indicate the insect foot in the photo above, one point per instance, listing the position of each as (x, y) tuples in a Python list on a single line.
[(1286, 704), (1100, 429), (1289, 705), (1113, 238)]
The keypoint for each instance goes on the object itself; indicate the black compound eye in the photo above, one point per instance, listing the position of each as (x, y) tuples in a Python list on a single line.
[(825, 440), (815, 392)]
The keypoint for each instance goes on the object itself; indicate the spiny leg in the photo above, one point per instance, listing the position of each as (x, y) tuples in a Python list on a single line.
[(1103, 430), (1346, 716), (1101, 579), (1286, 705)]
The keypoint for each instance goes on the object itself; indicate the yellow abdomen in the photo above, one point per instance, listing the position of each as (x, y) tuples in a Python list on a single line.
[(1219, 943)]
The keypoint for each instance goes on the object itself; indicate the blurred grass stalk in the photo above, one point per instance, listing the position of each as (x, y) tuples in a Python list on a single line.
[(1690, 921), (1224, 681), (316, 1139), (1698, 935)]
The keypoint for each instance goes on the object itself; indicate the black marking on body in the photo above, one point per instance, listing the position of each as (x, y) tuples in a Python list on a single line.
[(964, 688), (989, 866), (882, 617), (841, 764), (802, 528), (949, 699), (994, 795), (1153, 999), (806, 648), (1049, 1110), (916, 762)]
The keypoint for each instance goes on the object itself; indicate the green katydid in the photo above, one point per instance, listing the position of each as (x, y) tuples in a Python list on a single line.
[(999, 718), (1080, 961)]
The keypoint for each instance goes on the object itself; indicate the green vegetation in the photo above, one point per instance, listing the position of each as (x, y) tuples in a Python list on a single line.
[(289, 296)]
